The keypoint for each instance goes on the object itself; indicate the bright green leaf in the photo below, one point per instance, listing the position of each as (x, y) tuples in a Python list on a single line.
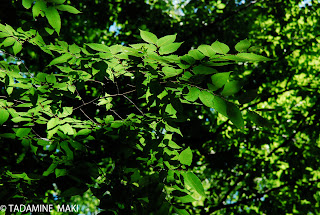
[(193, 94), (170, 48), (4, 115), (21, 132), (148, 37), (197, 55), (243, 45), (8, 41), (53, 18), (193, 182), (166, 40), (53, 122), (171, 72), (17, 47), (253, 57), (207, 50), (99, 47), (220, 79), (61, 59), (170, 110), (259, 120), (68, 8), (206, 98), (27, 3), (185, 157), (220, 48)]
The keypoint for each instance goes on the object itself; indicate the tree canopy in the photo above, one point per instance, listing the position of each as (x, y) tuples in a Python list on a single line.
[(161, 107)]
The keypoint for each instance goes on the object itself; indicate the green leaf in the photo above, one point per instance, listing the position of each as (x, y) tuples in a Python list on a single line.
[(53, 18), (173, 145), (206, 98), (197, 55), (191, 180), (170, 110), (67, 129), (68, 8), (171, 72), (259, 120), (185, 157), (185, 199), (166, 40), (253, 57), (207, 50), (4, 115), (243, 45), (181, 211), (27, 3), (8, 41), (84, 132), (99, 47), (193, 94), (220, 79), (220, 48), (231, 88), (148, 37), (170, 48), (229, 110), (17, 47), (203, 70), (60, 172), (53, 122), (50, 169), (39, 7), (188, 59), (21, 132), (61, 59), (51, 79)]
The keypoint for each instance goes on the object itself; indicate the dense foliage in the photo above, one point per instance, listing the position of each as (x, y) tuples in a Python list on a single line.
[(193, 118)]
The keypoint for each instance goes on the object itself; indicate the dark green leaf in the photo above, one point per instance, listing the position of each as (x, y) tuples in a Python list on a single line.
[(203, 70)]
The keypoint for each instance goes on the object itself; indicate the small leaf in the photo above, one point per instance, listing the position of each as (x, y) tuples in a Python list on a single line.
[(8, 41), (171, 72), (60, 172), (51, 79), (220, 48), (203, 70), (252, 57), (197, 55), (166, 40), (27, 3), (206, 98), (67, 129), (53, 18), (185, 157), (84, 132), (21, 132), (259, 120), (207, 50), (61, 59), (38, 8), (194, 182), (99, 47), (148, 37), (170, 110), (53, 122), (243, 45), (68, 8), (193, 94), (231, 88), (170, 48), (220, 79), (186, 199), (17, 47), (181, 211), (4, 115)]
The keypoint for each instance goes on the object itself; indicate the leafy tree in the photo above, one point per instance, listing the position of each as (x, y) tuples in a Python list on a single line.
[(155, 126)]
